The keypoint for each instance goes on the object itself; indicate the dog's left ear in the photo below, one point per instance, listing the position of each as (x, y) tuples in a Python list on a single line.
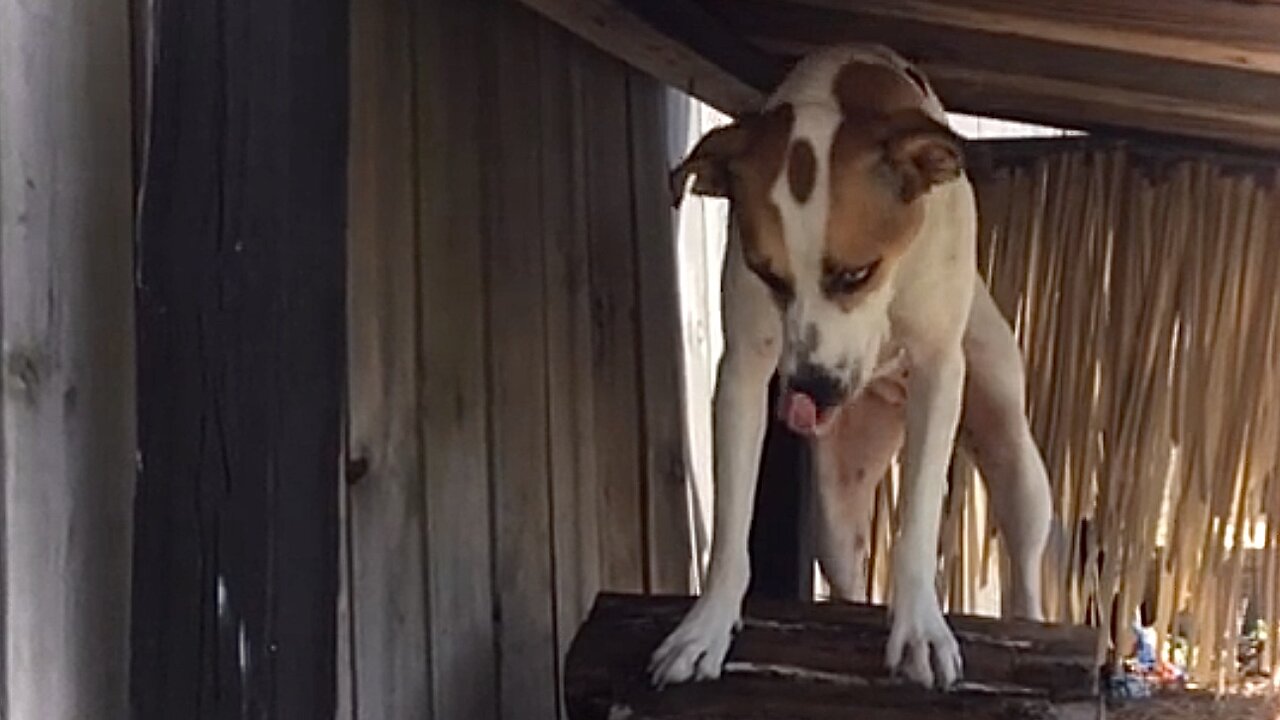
[(922, 152), (709, 161)]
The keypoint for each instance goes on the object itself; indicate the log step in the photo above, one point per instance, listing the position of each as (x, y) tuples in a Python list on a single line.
[(825, 661)]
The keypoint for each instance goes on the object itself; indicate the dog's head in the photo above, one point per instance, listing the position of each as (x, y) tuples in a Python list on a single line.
[(827, 199)]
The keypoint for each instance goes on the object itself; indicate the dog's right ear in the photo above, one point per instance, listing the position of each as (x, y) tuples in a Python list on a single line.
[(709, 162)]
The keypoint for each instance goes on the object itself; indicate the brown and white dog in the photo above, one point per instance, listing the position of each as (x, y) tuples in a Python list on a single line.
[(851, 269)]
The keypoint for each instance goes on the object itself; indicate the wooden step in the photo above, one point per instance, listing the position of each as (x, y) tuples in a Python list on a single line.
[(825, 661)]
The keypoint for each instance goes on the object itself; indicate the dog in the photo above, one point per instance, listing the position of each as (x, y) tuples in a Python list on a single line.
[(851, 271)]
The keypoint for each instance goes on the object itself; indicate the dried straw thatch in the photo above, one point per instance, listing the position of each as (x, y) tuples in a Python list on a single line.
[(1145, 291)]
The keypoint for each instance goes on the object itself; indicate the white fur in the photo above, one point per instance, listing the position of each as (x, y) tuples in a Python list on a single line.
[(918, 317)]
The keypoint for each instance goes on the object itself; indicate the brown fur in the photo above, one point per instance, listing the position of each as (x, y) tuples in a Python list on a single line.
[(802, 170), (869, 89), (742, 162), (754, 174), (886, 154)]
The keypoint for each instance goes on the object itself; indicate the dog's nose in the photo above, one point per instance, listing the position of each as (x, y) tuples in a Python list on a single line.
[(824, 389)]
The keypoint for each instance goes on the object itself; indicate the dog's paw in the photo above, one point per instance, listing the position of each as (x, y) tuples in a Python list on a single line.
[(921, 645), (696, 649)]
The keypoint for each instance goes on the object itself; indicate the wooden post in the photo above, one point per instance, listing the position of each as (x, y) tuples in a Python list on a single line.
[(823, 662), (782, 542), (241, 350), (66, 320)]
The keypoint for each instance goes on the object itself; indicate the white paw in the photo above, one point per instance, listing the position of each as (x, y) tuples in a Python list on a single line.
[(921, 646), (695, 650)]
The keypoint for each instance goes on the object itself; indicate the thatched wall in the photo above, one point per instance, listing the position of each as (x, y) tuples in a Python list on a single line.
[(1143, 287)]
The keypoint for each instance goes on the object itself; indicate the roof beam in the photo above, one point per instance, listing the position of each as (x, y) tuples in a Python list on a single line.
[(1241, 34), (677, 42), (994, 73)]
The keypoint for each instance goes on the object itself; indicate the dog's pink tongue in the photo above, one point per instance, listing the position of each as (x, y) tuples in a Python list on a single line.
[(799, 412)]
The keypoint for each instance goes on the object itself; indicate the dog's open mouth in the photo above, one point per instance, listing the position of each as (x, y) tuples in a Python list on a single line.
[(803, 416)]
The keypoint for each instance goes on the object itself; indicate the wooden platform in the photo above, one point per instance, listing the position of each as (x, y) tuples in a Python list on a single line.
[(823, 662)]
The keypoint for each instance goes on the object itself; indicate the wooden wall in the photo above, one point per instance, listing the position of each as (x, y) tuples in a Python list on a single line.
[(66, 325), (515, 438)]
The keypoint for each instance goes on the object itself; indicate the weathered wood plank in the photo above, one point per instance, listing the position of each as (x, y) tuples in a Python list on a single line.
[(817, 662), (450, 102), (66, 300), (1123, 68), (523, 583), (614, 315), (388, 630), (1106, 111), (982, 49), (242, 354), (781, 540), (666, 475), (570, 406), (985, 71), (621, 30), (1227, 34)]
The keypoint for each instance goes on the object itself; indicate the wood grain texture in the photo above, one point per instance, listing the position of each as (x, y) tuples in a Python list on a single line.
[(623, 32), (523, 576), (1225, 33), (510, 450), (66, 322), (390, 666), (241, 274), (450, 106), (666, 472), (614, 317), (574, 485), (812, 662), (985, 71), (1199, 68)]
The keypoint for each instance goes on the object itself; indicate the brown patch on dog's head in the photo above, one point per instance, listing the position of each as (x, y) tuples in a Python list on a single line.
[(742, 162), (864, 89), (881, 164), (802, 170)]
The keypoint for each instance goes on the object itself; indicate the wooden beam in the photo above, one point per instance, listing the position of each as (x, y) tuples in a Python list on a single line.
[(241, 354), (816, 662), (676, 42), (66, 297), (1243, 35), (1101, 110), (781, 540), (980, 71)]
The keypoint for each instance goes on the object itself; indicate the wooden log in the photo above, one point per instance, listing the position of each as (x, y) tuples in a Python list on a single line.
[(821, 662)]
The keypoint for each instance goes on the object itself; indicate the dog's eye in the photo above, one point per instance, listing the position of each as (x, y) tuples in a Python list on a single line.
[(780, 288), (845, 281)]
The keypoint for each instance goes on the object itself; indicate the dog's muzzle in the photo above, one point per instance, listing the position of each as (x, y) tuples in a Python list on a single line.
[(810, 400)]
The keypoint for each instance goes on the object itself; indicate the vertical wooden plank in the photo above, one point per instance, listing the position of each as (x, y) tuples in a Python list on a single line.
[(66, 321), (450, 102), (614, 314), (666, 476), (570, 407), (387, 524), (781, 541), (241, 354), (345, 704), (523, 585)]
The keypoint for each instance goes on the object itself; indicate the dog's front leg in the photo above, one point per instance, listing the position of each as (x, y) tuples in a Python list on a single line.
[(696, 649), (920, 643)]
